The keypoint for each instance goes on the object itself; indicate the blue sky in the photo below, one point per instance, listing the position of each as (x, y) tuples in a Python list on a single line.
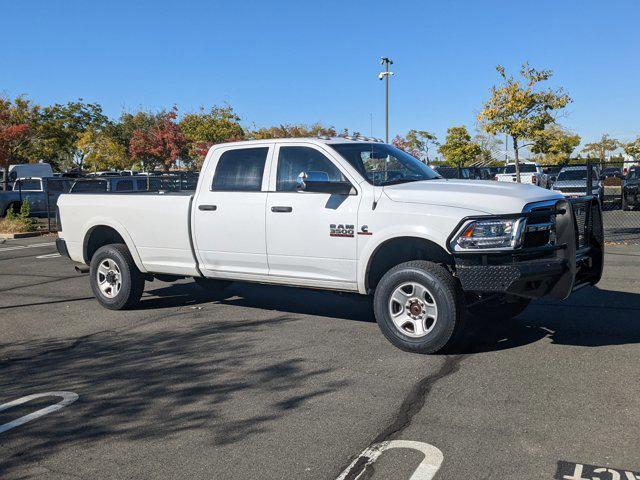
[(302, 62)]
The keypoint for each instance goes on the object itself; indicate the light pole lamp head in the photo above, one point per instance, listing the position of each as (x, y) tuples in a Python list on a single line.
[(384, 60)]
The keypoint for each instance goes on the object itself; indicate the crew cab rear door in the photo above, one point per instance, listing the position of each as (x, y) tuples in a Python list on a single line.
[(310, 235), (229, 211)]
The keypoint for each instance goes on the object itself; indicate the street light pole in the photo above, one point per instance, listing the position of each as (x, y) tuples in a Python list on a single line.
[(386, 62)]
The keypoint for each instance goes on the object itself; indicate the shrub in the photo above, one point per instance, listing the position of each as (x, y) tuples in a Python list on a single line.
[(18, 222)]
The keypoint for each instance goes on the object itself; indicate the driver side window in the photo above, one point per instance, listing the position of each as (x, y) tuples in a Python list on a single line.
[(294, 160)]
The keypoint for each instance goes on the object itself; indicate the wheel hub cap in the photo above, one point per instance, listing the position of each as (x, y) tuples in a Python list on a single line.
[(109, 278), (413, 309)]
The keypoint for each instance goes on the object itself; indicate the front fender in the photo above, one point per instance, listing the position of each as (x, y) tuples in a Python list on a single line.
[(390, 233)]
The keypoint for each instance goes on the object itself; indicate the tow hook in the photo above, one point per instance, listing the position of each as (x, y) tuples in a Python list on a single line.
[(81, 268)]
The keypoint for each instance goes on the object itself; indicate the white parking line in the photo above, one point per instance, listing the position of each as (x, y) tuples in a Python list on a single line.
[(67, 399), (427, 468), (21, 247), (49, 255)]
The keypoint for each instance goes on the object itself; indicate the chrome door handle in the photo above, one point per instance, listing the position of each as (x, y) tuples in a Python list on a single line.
[(282, 209), (207, 208)]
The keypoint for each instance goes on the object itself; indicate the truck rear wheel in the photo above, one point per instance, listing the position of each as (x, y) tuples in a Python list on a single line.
[(417, 306), (115, 280)]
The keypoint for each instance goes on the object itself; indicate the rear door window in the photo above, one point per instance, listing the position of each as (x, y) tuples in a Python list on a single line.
[(240, 170)]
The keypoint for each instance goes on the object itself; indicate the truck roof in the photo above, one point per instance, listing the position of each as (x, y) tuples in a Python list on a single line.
[(322, 140)]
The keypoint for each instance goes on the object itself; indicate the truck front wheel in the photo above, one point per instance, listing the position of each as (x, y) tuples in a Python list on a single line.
[(417, 305), (115, 280)]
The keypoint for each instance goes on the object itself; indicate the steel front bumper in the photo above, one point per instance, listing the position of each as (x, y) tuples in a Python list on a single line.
[(573, 261)]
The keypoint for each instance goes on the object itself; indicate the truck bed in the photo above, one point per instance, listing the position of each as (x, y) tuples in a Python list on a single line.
[(155, 226)]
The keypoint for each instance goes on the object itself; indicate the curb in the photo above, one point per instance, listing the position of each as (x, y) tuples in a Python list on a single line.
[(9, 236)]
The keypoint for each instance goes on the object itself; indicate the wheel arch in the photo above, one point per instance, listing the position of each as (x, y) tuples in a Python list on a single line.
[(396, 250), (104, 233)]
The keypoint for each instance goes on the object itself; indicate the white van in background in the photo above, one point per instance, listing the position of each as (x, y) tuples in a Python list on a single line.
[(26, 170)]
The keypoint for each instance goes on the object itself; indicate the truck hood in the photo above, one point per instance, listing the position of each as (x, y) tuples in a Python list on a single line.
[(480, 195)]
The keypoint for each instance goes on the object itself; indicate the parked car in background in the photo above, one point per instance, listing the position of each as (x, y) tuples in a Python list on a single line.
[(103, 174), (453, 172), (135, 183), (631, 189), (114, 184), (482, 173), (34, 190), (611, 172), (611, 179), (552, 173), (572, 182), (29, 170), (530, 172)]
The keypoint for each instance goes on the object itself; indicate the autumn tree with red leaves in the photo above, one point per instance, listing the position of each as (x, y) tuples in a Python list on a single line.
[(15, 132), (159, 143)]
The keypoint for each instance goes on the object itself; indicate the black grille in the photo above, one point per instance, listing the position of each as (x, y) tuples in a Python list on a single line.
[(540, 228)]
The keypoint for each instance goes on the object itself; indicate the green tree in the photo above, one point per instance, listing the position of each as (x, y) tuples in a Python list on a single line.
[(417, 143), (292, 131), (204, 129), (633, 149), (516, 108), (59, 128), (458, 149), (555, 143), (102, 151), (600, 148)]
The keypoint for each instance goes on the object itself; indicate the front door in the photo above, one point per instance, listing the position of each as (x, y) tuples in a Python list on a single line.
[(310, 235), (228, 213)]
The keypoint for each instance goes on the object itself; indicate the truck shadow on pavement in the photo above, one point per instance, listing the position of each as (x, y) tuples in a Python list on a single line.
[(154, 382), (591, 317)]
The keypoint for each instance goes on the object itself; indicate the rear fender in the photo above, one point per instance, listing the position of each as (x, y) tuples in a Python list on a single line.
[(122, 231)]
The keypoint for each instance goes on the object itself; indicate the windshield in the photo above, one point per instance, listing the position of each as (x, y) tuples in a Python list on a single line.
[(383, 164), (633, 175), (575, 175), (524, 168)]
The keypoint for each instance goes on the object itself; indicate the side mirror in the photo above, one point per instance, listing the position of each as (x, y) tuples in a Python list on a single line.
[(319, 182)]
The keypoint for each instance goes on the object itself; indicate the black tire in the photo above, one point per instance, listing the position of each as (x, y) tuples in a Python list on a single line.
[(444, 292), (211, 284), (131, 279), (500, 309)]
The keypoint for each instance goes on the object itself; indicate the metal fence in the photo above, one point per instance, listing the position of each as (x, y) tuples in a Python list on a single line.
[(616, 185)]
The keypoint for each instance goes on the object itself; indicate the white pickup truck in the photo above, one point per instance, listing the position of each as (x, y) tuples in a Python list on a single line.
[(530, 172), (347, 215)]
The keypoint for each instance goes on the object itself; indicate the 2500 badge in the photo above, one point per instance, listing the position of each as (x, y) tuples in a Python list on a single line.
[(341, 230)]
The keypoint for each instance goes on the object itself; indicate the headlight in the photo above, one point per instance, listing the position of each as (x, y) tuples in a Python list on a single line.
[(490, 234)]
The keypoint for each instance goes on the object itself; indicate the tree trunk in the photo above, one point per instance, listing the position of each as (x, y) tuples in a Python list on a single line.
[(517, 158)]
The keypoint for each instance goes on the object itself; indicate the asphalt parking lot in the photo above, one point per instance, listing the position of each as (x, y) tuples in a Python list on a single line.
[(279, 383)]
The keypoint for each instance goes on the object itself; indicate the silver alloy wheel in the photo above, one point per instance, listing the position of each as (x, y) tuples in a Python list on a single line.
[(109, 278), (413, 309)]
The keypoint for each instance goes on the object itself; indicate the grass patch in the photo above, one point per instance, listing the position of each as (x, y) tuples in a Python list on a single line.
[(20, 222)]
